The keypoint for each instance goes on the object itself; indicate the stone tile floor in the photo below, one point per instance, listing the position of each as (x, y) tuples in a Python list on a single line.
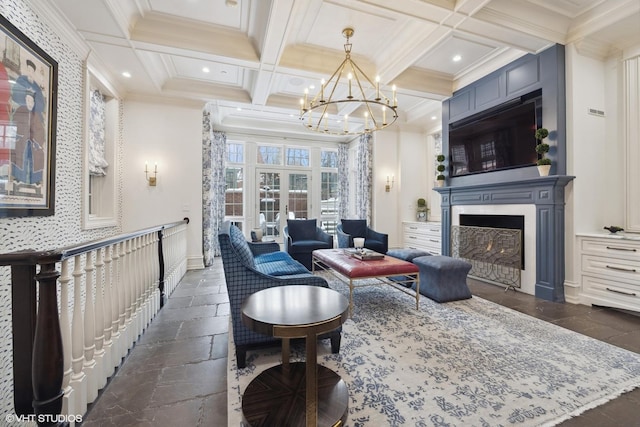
[(176, 373)]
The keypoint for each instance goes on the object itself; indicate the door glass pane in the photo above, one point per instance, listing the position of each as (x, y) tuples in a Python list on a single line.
[(298, 192), (329, 201), (269, 216), (233, 206)]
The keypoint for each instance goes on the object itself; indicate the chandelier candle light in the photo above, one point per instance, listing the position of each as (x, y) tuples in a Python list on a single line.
[(330, 115)]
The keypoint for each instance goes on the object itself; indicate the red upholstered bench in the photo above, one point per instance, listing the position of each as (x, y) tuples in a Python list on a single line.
[(350, 269)]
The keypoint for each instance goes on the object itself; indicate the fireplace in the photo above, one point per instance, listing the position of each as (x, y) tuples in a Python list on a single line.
[(511, 222), (540, 201)]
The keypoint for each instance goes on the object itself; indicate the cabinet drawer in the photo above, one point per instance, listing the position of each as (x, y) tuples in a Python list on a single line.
[(433, 250), (611, 290), (619, 269), (612, 248), (422, 229)]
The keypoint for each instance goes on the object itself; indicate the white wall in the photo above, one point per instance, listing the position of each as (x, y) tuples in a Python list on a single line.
[(64, 227), (404, 154), (595, 146), (170, 135), (595, 150), (385, 215)]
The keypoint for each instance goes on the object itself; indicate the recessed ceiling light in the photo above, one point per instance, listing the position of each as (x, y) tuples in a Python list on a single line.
[(433, 117), (457, 58), (126, 74), (238, 109), (205, 69)]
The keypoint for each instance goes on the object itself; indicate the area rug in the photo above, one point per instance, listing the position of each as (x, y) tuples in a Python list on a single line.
[(464, 363)]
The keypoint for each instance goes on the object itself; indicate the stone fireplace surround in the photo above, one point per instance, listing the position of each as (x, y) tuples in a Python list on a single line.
[(545, 195)]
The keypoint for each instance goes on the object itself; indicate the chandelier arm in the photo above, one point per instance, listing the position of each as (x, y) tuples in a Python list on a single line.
[(338, 72), (354, 65)]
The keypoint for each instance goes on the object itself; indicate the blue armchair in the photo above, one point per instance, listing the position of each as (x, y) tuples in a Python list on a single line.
[(350, 228), (250, 267), (303, 236)]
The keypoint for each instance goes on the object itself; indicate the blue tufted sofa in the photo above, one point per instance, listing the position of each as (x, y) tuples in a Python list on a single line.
[(250, 267)]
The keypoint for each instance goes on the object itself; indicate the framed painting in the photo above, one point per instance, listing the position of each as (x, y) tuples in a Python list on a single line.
[(28, 101)]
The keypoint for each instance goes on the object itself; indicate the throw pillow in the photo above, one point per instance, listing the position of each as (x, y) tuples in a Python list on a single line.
[(355, 227), (301, 229)]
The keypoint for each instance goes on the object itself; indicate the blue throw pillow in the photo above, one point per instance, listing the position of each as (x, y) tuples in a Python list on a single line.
[(301, 229), (355, 227)]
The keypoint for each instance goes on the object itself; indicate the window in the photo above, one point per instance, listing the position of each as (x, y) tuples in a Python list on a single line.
[(235, 153), (100, 170), (298, 157), (329, 191), (233, 192), (329, 159), (269, 155), (234, 182)]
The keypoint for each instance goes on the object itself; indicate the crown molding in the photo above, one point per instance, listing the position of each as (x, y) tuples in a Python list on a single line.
[(60, 25)]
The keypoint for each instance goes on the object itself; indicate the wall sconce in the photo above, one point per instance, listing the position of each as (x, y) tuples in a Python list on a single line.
[(389, 185), (151, 179)]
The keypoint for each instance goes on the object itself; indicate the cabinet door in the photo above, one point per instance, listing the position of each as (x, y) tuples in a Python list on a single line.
[(632, 139)]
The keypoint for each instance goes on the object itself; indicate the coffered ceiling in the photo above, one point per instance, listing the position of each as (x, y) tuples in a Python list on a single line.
[(253, 58)]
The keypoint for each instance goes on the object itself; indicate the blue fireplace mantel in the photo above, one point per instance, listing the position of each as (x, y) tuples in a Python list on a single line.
[(547, 194)]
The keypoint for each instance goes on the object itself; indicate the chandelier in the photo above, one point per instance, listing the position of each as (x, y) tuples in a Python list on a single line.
[(327, 113)]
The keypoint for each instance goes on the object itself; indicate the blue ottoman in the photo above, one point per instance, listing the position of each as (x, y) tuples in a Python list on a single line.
[(406, 255), (443, 278)]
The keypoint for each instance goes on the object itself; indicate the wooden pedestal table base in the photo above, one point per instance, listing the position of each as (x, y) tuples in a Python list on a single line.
[(296, 394), (275, 395)]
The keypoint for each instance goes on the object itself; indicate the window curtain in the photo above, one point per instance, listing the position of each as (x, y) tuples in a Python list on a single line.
[(213, 183), (364, 178), (97, 162), (343, 181)]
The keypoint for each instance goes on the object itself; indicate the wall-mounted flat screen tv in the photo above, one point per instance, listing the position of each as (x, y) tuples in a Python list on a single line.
[(500, 139)]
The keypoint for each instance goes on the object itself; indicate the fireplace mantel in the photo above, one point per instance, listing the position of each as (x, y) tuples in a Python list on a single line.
[(547, 194)]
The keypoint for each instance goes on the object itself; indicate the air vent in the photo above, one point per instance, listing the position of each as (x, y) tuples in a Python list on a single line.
[(595, 112)]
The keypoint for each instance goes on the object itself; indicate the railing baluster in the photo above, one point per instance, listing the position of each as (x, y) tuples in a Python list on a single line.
[(78, 378), (65, 330), (89, 329), (98, 355), (110, 291)]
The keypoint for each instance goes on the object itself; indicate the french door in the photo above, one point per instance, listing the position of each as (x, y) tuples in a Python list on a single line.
[(281, 195)]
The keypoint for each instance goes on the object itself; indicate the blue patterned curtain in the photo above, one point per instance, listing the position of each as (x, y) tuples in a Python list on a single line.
[(364, 178), (97, 141), (213, 183), (343, 181)]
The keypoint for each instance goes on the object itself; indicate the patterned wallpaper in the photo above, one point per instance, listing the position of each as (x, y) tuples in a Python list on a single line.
[(64, 228)]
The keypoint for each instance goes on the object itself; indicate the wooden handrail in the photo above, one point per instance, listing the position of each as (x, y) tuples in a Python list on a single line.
[(37, 339)]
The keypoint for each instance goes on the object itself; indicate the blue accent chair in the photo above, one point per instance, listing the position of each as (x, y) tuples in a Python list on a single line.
[(350, 228), (250, 267), (303, 236)]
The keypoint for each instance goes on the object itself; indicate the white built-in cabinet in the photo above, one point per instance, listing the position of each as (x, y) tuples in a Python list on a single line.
[(631, 113), (610, 270), (422, 235)]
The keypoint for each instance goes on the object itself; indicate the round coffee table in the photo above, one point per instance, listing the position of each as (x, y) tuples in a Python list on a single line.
[(288, 394)]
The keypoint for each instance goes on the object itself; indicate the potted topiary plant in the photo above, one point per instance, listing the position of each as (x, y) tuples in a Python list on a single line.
[(422, 210), (440, 168), (544, 163)]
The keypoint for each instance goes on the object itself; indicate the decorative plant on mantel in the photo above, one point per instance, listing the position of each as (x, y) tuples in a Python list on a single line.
[(544, 163), (440, 168)]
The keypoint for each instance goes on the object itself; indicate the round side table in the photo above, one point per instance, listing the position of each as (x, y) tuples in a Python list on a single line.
[(296, 394)]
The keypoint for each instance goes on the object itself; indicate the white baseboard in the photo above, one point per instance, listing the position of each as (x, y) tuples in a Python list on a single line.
[(572, 292), (195, 263)]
